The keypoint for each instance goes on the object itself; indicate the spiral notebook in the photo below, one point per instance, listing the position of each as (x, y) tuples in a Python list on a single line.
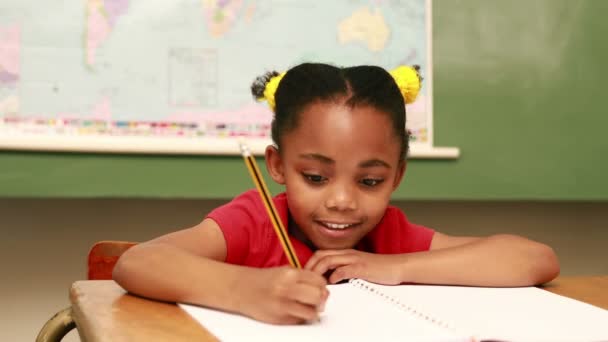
[(363, 311)]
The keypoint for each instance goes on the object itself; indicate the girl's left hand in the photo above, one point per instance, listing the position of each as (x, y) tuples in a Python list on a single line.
[(349, 263)]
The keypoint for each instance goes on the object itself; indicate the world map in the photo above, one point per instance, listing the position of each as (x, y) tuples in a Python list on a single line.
[(184, 68)]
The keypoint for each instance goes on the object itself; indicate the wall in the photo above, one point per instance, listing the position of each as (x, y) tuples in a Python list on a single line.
[(519, 86)]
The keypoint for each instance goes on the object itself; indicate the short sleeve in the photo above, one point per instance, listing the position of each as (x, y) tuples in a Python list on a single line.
[(419, 237), (395, 234), (239, 221)]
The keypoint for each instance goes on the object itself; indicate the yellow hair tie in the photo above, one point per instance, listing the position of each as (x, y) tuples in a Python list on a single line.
[(408, 81), (271, 89)]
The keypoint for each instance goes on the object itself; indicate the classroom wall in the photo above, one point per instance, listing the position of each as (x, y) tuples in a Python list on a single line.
[(45, 241), (519, 86)]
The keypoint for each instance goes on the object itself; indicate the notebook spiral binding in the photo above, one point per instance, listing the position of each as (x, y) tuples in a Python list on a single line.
[(410, 309)]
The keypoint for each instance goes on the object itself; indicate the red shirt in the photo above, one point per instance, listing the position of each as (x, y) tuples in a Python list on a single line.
[(251, 240)]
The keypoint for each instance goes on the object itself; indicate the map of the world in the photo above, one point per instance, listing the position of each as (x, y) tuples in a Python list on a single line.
[(94, 71)]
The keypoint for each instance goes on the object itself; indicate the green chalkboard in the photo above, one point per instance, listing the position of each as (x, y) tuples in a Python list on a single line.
[(519, 87)]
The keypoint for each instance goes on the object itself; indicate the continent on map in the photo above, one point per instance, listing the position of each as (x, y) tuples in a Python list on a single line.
[(9, 56), (220, 15), (100, 21), (366, 27)]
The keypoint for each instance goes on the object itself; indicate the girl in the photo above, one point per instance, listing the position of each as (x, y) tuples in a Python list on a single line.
[(340, 146)]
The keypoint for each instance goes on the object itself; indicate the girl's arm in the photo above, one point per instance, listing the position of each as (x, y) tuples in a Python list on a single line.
[(499, 260), (188, 266), (174, 267)]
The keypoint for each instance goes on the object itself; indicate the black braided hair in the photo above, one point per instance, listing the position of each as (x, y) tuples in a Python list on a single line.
[(259, 85), (307, 83)]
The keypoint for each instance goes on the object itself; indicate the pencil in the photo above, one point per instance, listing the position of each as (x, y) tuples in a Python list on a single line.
[(277, 224)]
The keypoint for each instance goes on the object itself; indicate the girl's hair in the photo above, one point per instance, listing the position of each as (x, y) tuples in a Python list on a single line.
[(289, 93)]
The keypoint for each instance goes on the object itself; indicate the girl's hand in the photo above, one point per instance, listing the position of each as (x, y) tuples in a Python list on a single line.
[(350, 263), (282, 295)]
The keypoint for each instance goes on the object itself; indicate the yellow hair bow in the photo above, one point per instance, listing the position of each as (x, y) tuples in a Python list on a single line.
[(271, 89), (408, 81)]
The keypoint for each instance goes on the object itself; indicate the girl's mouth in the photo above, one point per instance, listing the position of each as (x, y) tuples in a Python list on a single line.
[(336, 232), (337, 226)]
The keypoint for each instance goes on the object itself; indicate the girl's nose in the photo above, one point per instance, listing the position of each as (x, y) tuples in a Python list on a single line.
[(341, 198)]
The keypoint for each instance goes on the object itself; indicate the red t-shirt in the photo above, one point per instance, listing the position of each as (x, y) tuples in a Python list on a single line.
[(251, 240)]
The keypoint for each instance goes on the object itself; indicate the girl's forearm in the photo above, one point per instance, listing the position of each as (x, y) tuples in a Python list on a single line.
[(500, 260), (161, 271)]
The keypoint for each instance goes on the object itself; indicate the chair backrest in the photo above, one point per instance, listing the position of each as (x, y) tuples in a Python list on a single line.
[(103, 256)]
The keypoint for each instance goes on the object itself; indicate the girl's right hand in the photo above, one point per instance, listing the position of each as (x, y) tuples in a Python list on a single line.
[(282, 295)]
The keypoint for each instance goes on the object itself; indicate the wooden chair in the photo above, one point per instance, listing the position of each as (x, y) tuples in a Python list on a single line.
[(100, 262), (103, 256)]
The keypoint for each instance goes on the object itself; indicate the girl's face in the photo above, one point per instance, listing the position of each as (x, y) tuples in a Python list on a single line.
[(339, 166)]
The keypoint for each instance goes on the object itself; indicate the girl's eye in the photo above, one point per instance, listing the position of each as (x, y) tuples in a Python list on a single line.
[(316, 179), (371, 182)]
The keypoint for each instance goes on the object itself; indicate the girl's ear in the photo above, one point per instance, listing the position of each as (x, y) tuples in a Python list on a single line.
[(400, 173), (274, 164)]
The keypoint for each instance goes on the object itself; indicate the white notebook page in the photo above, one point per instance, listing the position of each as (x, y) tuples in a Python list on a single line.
[(506, 314), (351, 314)]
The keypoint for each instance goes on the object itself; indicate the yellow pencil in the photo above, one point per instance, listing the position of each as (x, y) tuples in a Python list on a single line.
[(277, 224)]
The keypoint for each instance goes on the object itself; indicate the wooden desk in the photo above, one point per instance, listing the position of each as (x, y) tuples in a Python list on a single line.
[(104, 312), (592, 290)]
